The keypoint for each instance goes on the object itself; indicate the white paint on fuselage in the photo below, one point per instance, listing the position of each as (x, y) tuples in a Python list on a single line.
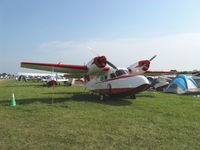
[(123, 81)]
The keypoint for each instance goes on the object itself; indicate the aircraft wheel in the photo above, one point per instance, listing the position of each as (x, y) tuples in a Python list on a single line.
[(133, 96), (102, 97)]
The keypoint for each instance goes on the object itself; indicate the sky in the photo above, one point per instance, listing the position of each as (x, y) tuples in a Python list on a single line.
[(125, 31)]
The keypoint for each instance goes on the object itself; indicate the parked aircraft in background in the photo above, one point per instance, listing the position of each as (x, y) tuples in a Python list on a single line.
[(196, 76), (196, 73), (55, 79), (49, 78), (102, 79)]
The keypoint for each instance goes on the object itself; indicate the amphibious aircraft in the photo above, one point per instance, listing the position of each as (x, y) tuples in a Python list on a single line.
[(103, 77)]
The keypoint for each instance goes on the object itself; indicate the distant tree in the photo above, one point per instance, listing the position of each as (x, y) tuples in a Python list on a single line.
[(4, 74), (173, 70)]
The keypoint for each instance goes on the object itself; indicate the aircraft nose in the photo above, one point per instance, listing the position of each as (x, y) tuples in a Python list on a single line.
[(139, 79), (139, 83)]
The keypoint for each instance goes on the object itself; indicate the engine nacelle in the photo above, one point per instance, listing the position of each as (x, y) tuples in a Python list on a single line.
[(140, 67), (96, 64)]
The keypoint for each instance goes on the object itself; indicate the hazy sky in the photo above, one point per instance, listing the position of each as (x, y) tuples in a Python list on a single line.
[(124, 30)]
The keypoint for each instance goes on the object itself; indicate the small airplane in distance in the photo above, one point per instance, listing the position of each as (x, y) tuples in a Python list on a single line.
[(54, 79), (100, 78), (50, 79)]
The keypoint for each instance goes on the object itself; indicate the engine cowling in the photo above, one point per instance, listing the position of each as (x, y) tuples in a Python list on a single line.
[(140, 67), (97, 64)]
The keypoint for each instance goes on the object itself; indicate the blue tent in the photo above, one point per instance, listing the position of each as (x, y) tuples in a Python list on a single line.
[(182, 84)]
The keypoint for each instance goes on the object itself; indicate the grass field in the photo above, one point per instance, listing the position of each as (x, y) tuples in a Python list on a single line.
[(73, 119)]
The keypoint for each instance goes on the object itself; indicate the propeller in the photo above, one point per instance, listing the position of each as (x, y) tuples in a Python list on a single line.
[(146, 64), (108, 62), (152, 58), (111, 65)]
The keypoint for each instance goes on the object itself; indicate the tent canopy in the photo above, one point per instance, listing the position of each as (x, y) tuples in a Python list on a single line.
[(182, 84)]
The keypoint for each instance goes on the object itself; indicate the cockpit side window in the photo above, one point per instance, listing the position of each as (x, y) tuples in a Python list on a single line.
[(103, 78), (106, 77), (112, 75), (121, 72)]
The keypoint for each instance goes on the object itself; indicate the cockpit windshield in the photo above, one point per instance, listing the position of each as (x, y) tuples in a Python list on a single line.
[(121, 72)]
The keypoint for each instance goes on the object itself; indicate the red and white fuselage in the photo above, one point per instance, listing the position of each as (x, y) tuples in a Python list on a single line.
[(117, 82), (103, 79)]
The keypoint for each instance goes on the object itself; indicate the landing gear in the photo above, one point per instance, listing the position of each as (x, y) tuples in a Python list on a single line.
[(102, 97), (109, 88), (133, 96)]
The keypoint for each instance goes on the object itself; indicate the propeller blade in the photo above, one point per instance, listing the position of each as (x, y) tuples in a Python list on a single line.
[(110, 64), (152, 58)]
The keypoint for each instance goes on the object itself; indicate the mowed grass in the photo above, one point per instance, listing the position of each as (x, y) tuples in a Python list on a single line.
[(74, 119)]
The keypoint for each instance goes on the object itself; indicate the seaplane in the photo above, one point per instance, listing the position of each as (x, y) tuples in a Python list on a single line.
[(103, 77)]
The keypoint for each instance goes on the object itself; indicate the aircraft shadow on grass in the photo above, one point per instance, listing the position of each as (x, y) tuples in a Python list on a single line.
[(26, 85), (79, 96), (146, 95)]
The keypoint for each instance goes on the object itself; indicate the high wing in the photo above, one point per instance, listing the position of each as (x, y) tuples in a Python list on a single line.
[(156, 73), (73, 70)]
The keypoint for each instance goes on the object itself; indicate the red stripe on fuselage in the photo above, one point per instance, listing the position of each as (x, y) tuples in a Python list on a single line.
[(140, 88)]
